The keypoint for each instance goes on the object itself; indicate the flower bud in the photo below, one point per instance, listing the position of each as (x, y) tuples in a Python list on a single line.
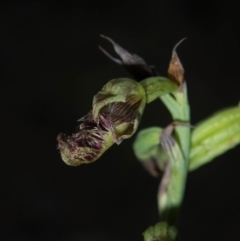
[(149, 152), (214, 136), (161, 231)]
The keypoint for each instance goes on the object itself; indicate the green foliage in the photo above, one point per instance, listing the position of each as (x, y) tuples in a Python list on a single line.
[(160, 232)]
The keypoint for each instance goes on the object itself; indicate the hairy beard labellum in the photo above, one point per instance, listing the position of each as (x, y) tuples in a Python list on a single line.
[(115, 116)]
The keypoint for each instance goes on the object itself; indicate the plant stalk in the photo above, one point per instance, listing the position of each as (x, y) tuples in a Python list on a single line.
[(172, 186)]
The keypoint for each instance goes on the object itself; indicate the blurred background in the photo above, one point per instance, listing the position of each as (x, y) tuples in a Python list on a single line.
[(50, 69)]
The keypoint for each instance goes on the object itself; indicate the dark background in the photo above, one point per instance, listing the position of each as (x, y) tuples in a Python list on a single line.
[(51, 68)]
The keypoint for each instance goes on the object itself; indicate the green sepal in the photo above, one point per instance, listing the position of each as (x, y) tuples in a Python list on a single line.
[(158, 86), (214, 136), (118, 90), (160, 232)]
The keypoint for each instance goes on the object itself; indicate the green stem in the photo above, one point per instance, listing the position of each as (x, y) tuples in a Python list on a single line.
[(173, 183)]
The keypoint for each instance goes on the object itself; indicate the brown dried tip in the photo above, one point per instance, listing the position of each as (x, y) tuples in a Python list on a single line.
[(175, 69), (167, 140), (134, 64), (151, 165)]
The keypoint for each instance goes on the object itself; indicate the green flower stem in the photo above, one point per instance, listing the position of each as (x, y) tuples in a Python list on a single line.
[(172, 186), (158, 86), (183, 133), (171, 105)]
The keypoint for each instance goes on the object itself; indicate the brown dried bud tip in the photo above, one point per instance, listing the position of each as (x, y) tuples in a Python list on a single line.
[(175, 69)]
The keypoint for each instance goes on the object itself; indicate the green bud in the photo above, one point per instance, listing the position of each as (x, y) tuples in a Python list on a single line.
[(115, 116), (155, 143), (145, 143), (160, 232), (148, 150), (214, 136)]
